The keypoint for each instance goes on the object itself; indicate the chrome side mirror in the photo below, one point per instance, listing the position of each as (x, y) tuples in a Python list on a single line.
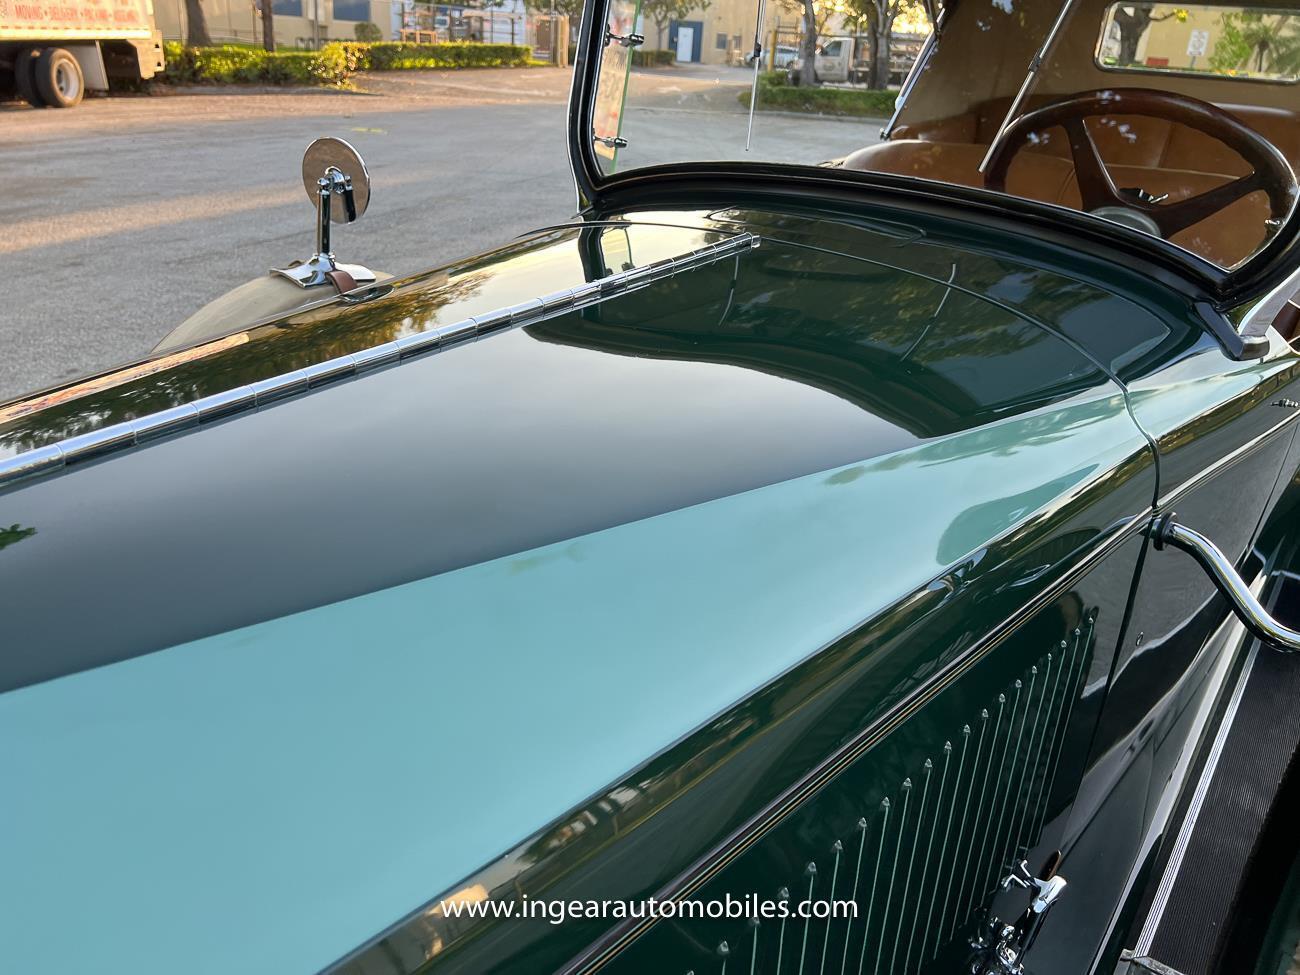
[(1168, 532), (338, 183)]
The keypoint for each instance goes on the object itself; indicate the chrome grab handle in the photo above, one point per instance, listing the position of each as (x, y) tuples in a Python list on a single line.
[(1167, 531)]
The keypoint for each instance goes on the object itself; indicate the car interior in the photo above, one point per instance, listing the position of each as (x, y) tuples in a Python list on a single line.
[(1167, 125)]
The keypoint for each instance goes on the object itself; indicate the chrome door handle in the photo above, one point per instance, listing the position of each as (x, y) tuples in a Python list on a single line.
[(1167, 532)]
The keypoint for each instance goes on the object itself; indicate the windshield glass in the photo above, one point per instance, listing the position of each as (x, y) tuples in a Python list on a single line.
[(1179, 122)]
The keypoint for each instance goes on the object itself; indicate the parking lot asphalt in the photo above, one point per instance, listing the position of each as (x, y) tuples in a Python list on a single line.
[(125, 215)]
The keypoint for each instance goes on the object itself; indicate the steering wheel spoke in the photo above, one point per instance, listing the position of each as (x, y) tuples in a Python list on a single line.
[(1173, 217), (1096, 188)]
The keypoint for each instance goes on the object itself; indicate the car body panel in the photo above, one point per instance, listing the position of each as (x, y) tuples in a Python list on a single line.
[(662, 609), (335, 539), (950, 452)]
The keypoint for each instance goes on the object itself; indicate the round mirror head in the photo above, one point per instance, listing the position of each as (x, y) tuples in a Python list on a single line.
[(319, 157)]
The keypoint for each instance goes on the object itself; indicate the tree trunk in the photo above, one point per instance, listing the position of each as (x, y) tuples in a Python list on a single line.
[(196, 25), (268, 26), (808, 72), (880, 57), (1131, 28)]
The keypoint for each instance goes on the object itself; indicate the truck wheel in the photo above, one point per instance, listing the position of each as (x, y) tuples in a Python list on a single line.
[(25, 76), (58, 78)]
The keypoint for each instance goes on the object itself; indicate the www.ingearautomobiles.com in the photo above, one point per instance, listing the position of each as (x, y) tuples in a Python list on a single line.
[(558, 911)]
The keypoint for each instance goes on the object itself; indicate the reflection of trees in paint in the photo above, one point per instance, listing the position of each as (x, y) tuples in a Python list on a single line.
[(293, 343), (14, 534)]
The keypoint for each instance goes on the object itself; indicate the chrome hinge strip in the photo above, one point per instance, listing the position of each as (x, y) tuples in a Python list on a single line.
[(131, 433)]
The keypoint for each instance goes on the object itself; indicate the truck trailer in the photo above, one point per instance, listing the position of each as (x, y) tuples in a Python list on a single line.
[(51, 51)]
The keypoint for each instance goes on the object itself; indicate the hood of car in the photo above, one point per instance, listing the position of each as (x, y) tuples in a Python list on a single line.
[(315, 635), (772, 364)]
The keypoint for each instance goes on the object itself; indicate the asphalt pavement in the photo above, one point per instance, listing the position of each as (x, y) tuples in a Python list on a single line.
[(123, 216)]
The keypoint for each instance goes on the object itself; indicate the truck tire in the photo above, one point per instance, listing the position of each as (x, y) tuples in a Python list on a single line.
[(25, 76), (59, 79)]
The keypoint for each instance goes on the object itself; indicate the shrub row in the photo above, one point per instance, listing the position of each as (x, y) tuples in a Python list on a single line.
[(641, 57), (398, 56), (229, 64), (331, 65), (653, 57), (775, 93)]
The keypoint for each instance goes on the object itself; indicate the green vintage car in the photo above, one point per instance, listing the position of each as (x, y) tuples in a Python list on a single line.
[(882, 565)]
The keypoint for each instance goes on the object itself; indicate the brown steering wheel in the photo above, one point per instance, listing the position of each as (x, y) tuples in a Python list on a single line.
[(1270, 170)]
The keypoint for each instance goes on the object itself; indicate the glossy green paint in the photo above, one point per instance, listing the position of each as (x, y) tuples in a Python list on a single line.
[(916, 830), (680, 704), (337, 694)]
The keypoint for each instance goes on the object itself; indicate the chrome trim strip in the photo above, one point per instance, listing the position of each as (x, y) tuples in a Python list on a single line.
[(223, 404), (525, 310), (1203, 475), (585, 294), (411, 345), (1232, 635), (376, 357), (97, 442), (167, 422), (329, 370), (1161, 900), (131, 433), (269, 390), (458, 331), (42, 460)]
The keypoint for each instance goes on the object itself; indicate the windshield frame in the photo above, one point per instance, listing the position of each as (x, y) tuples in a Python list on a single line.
[(1228, 289)]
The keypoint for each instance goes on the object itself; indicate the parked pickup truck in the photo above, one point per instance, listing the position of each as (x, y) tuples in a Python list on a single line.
[(838, 59), (848, 59), (51, 52)]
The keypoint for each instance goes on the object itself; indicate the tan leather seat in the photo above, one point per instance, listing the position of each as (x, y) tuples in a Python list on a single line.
[(1035, 177), (1226, 238), (1127, 140)]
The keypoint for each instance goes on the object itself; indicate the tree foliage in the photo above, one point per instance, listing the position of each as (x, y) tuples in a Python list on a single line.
[(564, 8), (876, 18), (1257, 42)]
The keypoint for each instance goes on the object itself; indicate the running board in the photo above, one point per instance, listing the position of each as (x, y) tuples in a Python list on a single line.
[(1129, 964)]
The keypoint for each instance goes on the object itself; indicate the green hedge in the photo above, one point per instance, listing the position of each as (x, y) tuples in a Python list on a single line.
[(653, 57), (641, 57), (397, 56), (229, 64), (331, 65), (775, 93)]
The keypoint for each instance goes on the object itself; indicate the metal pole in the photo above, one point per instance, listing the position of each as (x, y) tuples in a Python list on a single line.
[(1022, 96), (758, 64)]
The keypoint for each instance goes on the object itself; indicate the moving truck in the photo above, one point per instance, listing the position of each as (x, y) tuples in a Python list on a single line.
[(51, 51)]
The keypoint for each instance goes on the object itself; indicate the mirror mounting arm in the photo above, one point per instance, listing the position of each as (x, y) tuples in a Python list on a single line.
[(1168, 532), (343, 174), (333, 182)]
